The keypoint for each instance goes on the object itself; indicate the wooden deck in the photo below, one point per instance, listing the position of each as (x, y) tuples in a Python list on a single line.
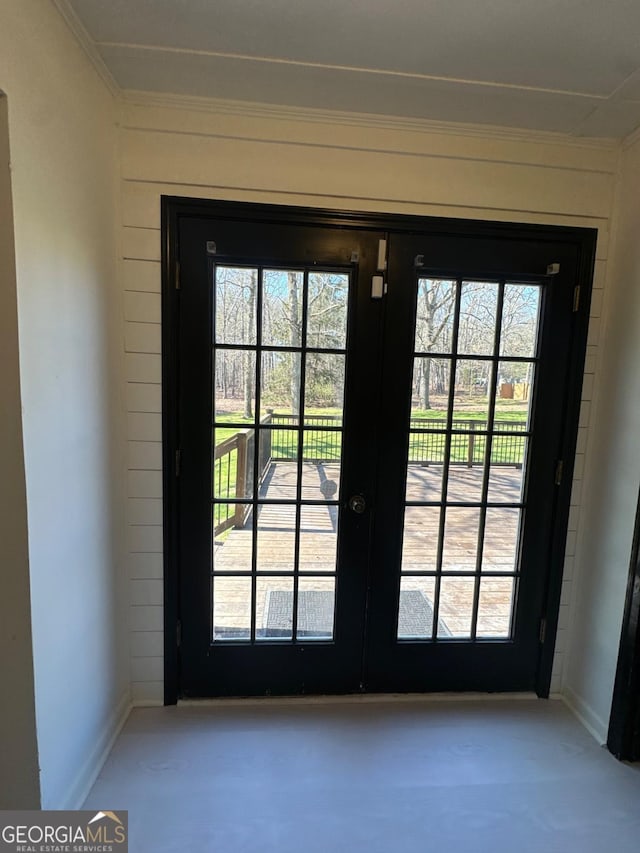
[(318, 538)]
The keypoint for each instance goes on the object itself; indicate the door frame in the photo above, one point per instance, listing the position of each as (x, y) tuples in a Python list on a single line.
[(175, 208), (623, 738)]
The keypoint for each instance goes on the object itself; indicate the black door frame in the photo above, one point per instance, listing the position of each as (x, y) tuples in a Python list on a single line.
[(624, 725), (173, 209)]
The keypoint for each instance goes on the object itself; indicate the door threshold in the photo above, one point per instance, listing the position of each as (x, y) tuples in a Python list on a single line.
[(354, 698)]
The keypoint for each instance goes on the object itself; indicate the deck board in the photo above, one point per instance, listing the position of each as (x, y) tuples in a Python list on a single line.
[(318, 539)]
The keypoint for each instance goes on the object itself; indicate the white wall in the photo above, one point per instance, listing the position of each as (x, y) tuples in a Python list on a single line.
[(203, 149), (64, 154), (613, 473), (19, 779)]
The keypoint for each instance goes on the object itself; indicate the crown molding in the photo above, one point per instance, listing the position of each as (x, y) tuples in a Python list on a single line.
[(85, 41), (251, 109)]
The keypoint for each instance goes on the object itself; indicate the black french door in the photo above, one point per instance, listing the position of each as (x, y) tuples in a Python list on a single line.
[(468, 488), (366, 423), (276, 380)]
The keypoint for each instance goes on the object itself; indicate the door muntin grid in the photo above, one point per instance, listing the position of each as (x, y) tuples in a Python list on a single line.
[(276, 483), (477, 345)]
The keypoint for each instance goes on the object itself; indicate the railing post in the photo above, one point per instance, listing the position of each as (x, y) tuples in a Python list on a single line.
[(241, 476), (471, 443), (265, 437)]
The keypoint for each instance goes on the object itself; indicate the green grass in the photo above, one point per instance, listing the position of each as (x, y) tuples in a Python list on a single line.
[(513, 413)]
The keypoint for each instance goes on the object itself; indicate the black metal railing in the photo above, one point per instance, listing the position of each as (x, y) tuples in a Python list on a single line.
[(234, 457), (468, 442), (321, 442)]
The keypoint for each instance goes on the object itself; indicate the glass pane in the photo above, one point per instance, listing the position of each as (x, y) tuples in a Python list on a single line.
[(506, 480), (427, 448), (316, 608), (477, 328), (456, 607), (494, 608), (471, 397), (318, 538), (274, 608), (430, 393), (276, 538), (233, 461), (424, 480), (501, 534), (415, 611), (235, 385), (321, 445), (324, 385), (434, 315), (460, 539), (321, 468), (321, 480), (284, 440), (513, 394), (282, 308), (327, 310), (235, 305), (280, 384), (468, 446), (231, 608), (232, 537), (520, 312), (465, 484), (420, 538), (278, 461)]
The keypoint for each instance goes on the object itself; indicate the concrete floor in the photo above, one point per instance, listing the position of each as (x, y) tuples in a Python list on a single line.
[(390, 776)]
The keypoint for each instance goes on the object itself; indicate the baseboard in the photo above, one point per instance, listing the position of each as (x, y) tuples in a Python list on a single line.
[(359, 698), (147, 703), (95, 761), (587, 716)]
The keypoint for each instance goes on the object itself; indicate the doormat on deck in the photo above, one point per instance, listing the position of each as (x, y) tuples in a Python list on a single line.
[(315, 614), (416, 616)]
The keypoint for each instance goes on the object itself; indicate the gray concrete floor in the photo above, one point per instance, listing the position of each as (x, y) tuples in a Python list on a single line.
[(400, 776)]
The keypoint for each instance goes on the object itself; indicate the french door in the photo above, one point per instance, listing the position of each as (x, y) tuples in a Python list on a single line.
[(365, 428)]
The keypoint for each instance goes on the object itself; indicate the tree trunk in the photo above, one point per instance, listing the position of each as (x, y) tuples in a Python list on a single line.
[(426, 382), (294, 313), (248, 371)]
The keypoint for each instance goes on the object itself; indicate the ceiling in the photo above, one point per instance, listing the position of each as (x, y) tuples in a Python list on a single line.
[(568, 66)]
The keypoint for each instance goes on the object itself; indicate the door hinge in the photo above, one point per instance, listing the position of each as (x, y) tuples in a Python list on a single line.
[(178, 461), (179, 633), (559, 467), (543, 629), (177, 275), (576, 298)]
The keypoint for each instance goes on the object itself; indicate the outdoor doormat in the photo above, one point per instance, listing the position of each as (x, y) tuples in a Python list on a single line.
[(315, 615)]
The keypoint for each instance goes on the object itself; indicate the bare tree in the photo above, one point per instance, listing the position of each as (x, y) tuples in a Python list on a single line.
[(251, 292), (436, 303), (295, 334)]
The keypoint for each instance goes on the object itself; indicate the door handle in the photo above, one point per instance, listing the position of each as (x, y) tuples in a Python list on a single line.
[(357, 504)]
